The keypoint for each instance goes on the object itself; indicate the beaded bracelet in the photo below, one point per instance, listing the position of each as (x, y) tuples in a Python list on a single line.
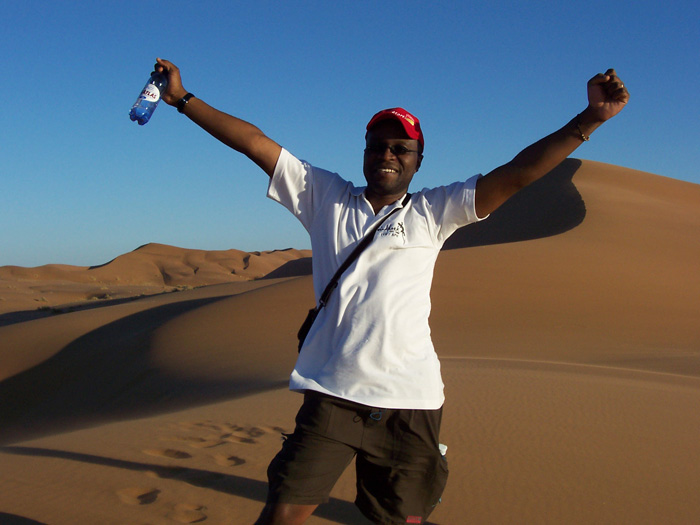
[(584, 138)]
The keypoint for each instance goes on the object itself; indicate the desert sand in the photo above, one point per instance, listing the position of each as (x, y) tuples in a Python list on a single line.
[(152, 389)]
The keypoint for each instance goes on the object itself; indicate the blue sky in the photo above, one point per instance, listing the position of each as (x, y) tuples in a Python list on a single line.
[(82, 184)]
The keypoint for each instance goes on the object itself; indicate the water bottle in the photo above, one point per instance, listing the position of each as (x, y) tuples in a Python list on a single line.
[(146, 104)]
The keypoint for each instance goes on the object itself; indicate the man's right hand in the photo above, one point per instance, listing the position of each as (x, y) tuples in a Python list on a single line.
[(174, 91)]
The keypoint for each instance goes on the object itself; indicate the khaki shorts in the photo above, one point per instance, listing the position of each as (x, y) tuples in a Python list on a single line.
[(400, 471)]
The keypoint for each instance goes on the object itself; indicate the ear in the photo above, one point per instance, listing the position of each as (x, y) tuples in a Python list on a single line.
[(419, 161)]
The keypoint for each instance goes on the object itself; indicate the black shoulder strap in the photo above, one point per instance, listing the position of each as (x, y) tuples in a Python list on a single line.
[(355, 254), (311, 316)]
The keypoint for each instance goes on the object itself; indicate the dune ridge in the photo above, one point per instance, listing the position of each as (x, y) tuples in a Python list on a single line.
[(149, 269), (570, 350)]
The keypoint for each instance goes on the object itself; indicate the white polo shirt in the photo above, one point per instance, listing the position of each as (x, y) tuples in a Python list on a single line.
[(371, 343)]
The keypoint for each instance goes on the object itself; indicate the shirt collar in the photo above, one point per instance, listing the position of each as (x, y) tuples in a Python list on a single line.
[(357, 191), (360, 193)]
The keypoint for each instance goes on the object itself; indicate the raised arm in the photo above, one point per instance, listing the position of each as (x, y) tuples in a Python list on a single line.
[(607, 96), (234, 132)]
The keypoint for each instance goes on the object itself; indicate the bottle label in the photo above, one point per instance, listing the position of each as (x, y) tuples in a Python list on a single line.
[(151, 93)]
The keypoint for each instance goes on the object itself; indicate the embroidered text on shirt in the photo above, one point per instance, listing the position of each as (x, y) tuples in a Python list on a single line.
[(393, 230)]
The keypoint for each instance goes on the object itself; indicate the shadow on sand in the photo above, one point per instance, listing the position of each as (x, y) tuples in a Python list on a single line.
[(13, 519), (336, 510), (30, 315), (547, 207), (107, 374)]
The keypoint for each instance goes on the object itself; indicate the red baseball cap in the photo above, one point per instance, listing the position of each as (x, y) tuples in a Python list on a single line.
[(410, 123)]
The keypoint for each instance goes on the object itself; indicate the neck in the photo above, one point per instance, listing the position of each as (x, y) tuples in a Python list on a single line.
[(379, 201)]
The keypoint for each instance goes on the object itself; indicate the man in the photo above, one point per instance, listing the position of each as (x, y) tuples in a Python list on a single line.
[(368, 370)]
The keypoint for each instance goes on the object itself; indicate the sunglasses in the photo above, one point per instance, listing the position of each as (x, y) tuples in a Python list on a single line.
[(396, 149)]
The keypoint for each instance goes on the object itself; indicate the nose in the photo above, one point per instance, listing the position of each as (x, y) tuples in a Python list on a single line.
[(387, 153)]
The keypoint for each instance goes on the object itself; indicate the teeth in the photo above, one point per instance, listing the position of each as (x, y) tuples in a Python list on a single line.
[(387, 170)]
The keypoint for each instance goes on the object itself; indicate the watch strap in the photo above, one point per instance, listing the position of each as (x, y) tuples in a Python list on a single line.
[(183, 102)]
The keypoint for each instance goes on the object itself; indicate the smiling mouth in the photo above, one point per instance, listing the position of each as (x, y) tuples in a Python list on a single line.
[(387, 170)]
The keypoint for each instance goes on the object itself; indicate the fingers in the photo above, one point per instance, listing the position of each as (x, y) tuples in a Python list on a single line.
[(175, 91), (613, 80), (599, 79), (611, 84), (614, 87), (610, 77), (165, 66)]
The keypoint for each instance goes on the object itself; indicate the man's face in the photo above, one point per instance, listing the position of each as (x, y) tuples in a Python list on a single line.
[(388, 174)]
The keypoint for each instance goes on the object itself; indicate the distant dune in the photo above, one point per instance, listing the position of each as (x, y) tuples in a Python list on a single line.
[(152, 268), (567, 325)]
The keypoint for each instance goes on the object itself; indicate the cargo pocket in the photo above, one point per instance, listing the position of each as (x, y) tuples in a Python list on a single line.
[(439, 483)]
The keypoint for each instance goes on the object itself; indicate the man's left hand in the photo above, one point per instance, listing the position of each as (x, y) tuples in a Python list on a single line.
[(607, 95)]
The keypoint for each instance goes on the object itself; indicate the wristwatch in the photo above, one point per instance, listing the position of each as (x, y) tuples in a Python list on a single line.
[(183, 102)]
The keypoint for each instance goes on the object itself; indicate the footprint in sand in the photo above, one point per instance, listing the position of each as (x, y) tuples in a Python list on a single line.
[(274, 430), (228, 461), (138, 495), (196, 442), (183, 439), (207, 443), (213, 434), (202, 425), (167, 453), (244, 435), (219, 433), (232, 438), (255, 432), (185, 513)]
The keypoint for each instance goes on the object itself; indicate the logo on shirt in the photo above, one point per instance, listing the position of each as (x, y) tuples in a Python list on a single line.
[(393, 230)]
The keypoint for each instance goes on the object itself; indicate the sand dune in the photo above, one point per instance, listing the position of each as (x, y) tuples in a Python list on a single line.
[(150, 269), (568, 330)]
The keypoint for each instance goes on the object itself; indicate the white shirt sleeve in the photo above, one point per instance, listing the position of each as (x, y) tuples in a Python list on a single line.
[(451, 207), (301, 187)]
